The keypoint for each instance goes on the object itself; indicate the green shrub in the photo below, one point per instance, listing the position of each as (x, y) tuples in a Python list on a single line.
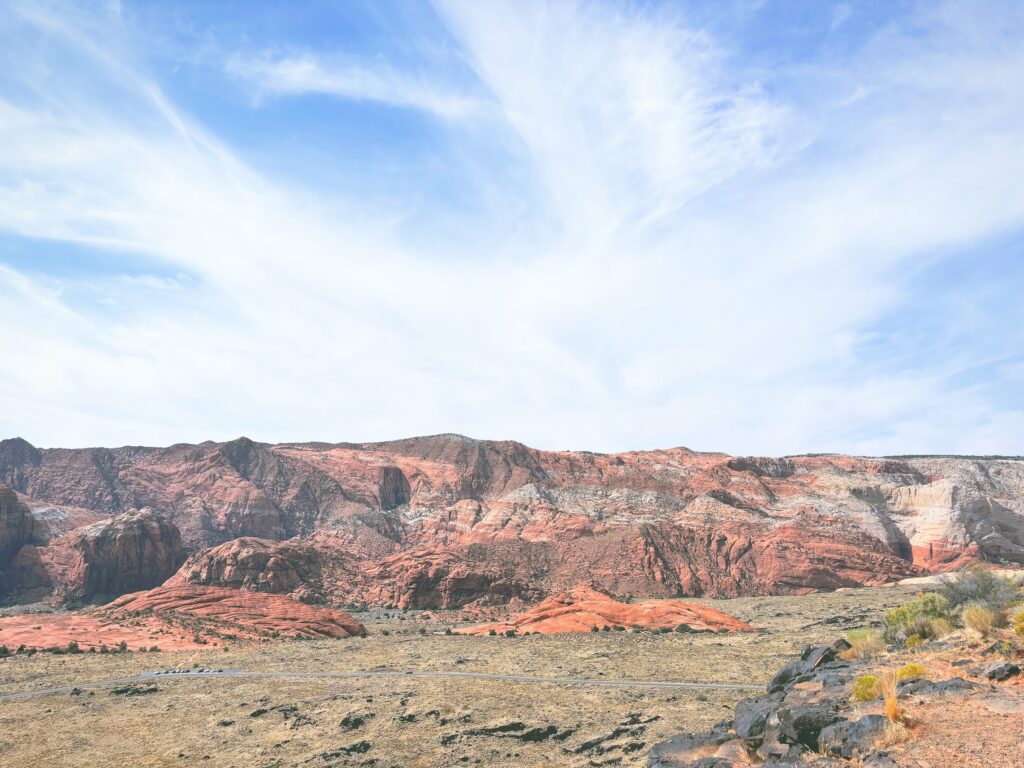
[(154, 649), (594, 628), (981, 586), (492, 633), (910, 671), (73, 647), (447, 630), (510, 633), (4, 651), (914, 641), (606, 628), (865, 688), (914, 618), (864, 643), (423, 630), (683, 628), (385, 632), (618, 628)]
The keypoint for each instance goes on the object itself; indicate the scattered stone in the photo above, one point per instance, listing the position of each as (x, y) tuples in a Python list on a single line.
[(1002, 672), (134, 690)]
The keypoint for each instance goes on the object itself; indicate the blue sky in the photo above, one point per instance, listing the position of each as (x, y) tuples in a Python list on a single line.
[(750, 226)]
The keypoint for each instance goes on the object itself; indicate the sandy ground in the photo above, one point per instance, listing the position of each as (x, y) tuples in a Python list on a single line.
[(413, 722)]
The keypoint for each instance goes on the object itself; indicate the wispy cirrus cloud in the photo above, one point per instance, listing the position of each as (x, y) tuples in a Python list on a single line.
[(306, 73), (667, 245)]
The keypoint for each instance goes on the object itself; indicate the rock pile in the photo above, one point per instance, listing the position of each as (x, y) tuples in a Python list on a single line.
[(805, 718)]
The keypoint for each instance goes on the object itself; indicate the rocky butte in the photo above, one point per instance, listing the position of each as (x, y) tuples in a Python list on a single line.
[(447, 521)]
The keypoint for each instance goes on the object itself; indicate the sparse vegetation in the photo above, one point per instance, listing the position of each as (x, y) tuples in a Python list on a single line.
[(910, 672), (4, 651), (865, 688), (864, 644), (980, 586), (917, 618), (979, 617), (887, 687)]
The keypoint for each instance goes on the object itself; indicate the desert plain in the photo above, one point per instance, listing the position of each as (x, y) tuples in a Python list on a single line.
[(309, 718)]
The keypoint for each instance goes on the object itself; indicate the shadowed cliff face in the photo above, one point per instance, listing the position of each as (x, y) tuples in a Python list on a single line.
[(446, 520)]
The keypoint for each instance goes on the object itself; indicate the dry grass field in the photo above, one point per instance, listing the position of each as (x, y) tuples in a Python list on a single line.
[(409, 721)]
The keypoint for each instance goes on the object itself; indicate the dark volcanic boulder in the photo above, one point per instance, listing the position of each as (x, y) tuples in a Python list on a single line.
[(849, 739), (802, 723), (1001, 672), (811, 658), (752, 714)]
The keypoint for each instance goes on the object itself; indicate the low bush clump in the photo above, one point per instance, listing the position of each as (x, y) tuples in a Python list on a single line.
[(980, 586), (594, 628), (683, 628), (916, 617), (864, 644), (865, 688), (911, 671), (979, 617), (4, 651)]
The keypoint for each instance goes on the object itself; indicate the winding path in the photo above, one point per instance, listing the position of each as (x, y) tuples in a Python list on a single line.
[(235, 674)]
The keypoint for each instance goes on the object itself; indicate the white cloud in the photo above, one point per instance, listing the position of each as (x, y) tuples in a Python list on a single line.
[(707, 257), (307, 73)]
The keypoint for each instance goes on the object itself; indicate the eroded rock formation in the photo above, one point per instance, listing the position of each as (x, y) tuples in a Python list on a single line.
[(584, 608), (446, 520)]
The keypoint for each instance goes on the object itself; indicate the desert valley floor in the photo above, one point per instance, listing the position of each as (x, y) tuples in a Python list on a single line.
[(405, 720)]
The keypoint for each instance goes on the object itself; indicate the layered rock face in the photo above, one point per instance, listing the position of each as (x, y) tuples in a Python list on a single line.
[(584, 609), (237, 608), (16, 529), (446, 520), (131, 551)]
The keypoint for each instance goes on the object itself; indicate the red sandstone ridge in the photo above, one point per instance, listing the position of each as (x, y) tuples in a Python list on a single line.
[(243, 610), (176, 618), (304, 570), (446, 521), (584, 608)]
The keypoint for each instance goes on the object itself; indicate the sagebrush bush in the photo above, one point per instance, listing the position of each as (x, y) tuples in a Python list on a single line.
[(914, 641), (911, 671), (979, 617), (864, 644), (865, 688), (915, 617), (981, 586)]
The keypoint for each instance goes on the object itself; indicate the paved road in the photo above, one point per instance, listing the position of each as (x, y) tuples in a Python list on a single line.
[(148, 677)]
